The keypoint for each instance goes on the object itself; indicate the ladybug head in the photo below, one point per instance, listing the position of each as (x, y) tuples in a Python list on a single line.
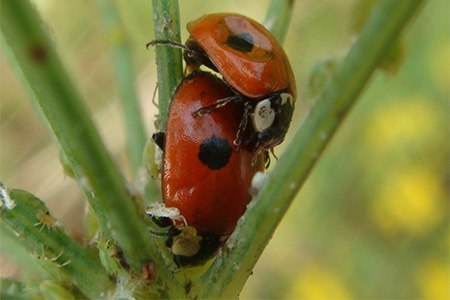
[(195, 56), (191, 249), (270, 119)]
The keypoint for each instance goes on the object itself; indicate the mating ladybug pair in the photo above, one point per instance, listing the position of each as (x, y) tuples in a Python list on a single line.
[(219, 131)]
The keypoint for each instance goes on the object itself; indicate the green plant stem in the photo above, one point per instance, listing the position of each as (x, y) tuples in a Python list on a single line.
[(11, 246), (11, 289), (33, 55), (278, 18), (168, 59), (41, 234), (233, 266), (134, 126)]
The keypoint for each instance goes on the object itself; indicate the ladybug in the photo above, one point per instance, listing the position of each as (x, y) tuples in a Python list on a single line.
[(205, 178), (253, 64)]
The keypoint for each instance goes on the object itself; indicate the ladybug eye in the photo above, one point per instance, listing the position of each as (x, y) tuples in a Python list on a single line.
[(242, 42), (190, 53)]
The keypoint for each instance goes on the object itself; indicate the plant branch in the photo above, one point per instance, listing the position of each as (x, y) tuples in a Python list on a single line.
[(12, 289), (28, 217), (126, 79), (33, 55), (168, 59), (233, 266), (278, 18)]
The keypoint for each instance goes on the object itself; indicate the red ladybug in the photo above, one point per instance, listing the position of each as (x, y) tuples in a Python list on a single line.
[(253, 63), (205, 179)]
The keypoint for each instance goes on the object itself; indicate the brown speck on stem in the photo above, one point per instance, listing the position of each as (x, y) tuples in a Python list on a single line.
[(38, 53)]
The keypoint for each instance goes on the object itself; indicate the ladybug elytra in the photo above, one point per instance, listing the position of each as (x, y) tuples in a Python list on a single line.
[(253, 64), (205, 178)]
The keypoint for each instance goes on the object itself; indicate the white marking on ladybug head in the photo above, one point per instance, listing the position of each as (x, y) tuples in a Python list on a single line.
[(285, 97), (263, 115)]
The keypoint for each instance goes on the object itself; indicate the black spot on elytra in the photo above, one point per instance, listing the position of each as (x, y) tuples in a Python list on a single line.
[(214, 152), (242, 42), (38, 53)]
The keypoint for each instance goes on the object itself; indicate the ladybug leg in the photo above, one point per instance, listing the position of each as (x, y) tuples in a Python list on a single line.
[(238, 140), (267, 158), (193, 55), (163, 234), (159, 138), (219, 103), (166, 43), (257, 155), (273, 153), (154, 95)]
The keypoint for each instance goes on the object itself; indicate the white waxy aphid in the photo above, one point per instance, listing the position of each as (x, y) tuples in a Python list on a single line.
[(5, 199), (160, 210)]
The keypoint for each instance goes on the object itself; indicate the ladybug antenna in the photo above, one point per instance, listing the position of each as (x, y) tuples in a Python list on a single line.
[(167, 43)]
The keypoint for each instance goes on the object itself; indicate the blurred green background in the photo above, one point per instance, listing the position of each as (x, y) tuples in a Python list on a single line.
[(372, 221)]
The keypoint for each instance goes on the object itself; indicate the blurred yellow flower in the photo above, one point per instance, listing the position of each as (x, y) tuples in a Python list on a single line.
[(434, 281), (439, 62), (411, 200), (315, 282), (400, 123)]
